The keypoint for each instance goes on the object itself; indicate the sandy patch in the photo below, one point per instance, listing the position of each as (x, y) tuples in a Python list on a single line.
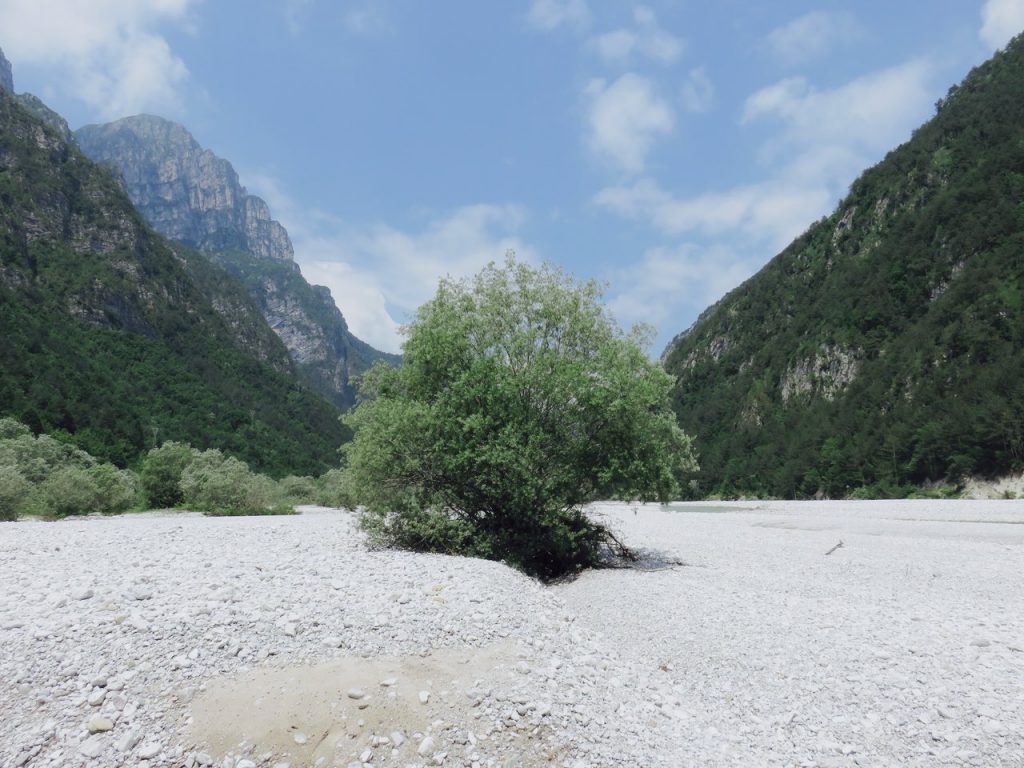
[(304, 713)]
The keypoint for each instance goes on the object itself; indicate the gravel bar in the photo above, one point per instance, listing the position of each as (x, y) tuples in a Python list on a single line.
[(742, 637)]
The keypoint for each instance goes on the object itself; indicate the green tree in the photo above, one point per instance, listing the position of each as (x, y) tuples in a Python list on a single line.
[(161, 474), (14, 490), (518, 401)]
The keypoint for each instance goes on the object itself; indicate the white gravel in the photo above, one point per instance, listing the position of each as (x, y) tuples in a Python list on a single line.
[(903, 647)]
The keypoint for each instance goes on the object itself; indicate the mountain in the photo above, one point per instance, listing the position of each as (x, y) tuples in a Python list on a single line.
[(117, 339), (192, 196), (884, 348), (6, 75)]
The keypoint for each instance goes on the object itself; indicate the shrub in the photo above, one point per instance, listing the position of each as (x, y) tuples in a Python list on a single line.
[(69, 491), (14, 490), (334, 489), (219, 485), (161, 474), (298, 490), (518, 401), (115, 488)]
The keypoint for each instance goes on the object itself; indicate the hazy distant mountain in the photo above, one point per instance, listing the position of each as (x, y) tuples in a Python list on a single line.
[(6, 76), (190, 195), (119, 339), (885, 346)]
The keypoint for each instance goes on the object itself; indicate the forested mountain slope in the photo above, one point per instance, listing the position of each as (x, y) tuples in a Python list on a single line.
[(191, 195), (118, 339), (885, 346)]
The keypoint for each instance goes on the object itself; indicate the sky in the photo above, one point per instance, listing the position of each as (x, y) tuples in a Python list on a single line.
[(668, 148)]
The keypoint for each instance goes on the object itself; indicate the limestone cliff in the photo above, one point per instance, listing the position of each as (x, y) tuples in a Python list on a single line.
[(193, 196), (6, 76)]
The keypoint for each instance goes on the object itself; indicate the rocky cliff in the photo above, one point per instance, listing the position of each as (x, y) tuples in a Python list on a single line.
[(884, 348), (193, 196), (6, 76)]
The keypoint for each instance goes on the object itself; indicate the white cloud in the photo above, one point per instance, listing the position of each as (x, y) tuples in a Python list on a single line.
[(666, 280), (826, 137), (379, 275), (625, 119), (1000, 21), (808, 36), (549, 15), (872, 112), (697, 92), (646, 38), (107, 52)]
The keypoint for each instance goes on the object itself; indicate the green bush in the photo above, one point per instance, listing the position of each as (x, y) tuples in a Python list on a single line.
[(298, 490), (219, 485), (38, 457), (116, 489), (334, 489), (14, 490), (69, 491), (161, 474), (518, 401), (11, 428)]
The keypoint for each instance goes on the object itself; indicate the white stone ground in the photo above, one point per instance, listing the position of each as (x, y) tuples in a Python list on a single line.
[(238, 642)]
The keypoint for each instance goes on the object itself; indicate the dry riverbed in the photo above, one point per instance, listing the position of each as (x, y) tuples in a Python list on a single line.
[(177, 640)]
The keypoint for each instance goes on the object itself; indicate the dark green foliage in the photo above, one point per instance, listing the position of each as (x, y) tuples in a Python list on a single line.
[(160, 475), (917, 281), (518, 401), (115, 341)]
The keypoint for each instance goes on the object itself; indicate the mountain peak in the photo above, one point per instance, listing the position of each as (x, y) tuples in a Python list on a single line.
[(186, 192)]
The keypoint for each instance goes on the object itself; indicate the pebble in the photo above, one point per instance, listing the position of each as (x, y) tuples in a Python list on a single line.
[(424, 697), (93, 746), (97, 696), (426, 746), (149, 750), (81, 594), (300, 738), (356, 693), (100, 725)]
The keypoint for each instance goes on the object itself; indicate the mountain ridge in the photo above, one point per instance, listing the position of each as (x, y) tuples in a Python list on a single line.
[(883, 348), (191, 195), (116, 339)]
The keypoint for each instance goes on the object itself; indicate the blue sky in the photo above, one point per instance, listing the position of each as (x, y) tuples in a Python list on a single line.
[(667, 148)]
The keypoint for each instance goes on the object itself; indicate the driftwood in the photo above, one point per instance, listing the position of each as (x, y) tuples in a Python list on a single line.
[(837, 546)]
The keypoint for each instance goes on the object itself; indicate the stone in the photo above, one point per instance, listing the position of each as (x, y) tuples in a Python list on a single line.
[(97, 696), (300, 738), (100, 725), (397, 738), (128, 740), (245, 764), (366, 756), (81, 594), (424, 697), (426, 746), (149, 750), (389, 681), (356, 693), (981, 643), (93, 746)]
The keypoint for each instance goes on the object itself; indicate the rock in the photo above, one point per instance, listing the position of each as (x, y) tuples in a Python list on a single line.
[(356, 693), (426, 746), (128, 740), (100, 725), (93, 746), (245, 764), (300, 738), (81, 594), (99, 681), (389, 681), (397, 738), (980, 643), (424, 697), (366, 756), (149, 750), (204, 759), (97, 696)]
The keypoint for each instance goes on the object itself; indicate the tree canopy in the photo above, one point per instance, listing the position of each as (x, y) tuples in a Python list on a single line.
[(519, 400)]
